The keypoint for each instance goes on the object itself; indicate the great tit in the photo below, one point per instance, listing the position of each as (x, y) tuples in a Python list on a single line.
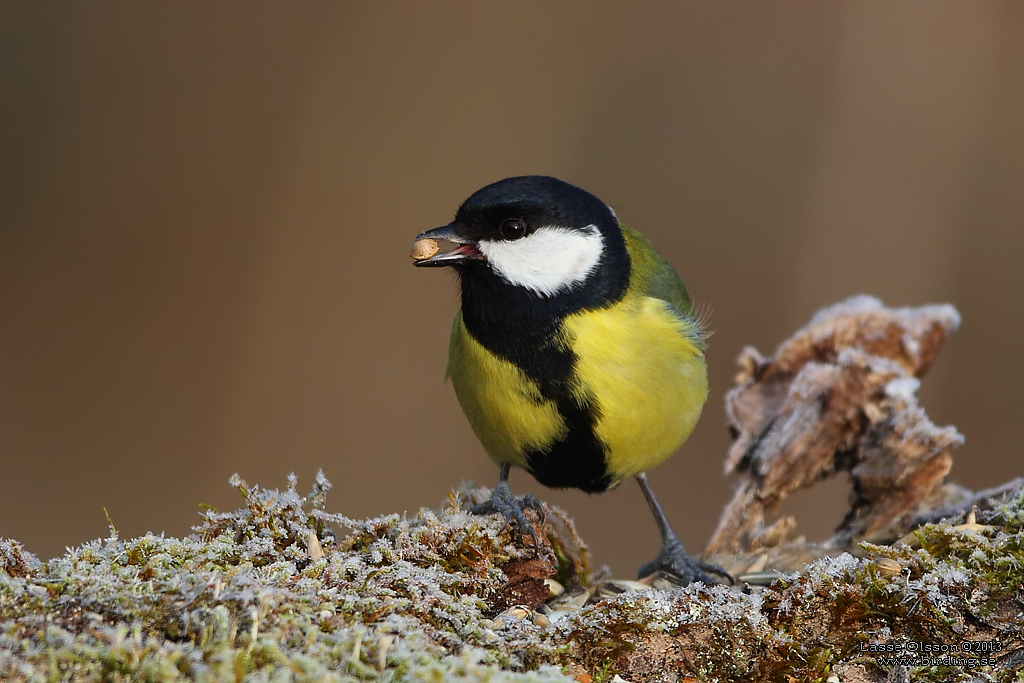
[(576, 355)]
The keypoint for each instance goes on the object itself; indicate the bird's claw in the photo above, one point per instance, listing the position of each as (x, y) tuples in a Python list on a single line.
[(504, 503), (675, 561)]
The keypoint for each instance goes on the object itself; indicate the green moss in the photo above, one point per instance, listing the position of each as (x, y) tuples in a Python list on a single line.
[(604, 672)]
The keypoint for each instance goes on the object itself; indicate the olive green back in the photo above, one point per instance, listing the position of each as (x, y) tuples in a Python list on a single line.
[(653, 276)]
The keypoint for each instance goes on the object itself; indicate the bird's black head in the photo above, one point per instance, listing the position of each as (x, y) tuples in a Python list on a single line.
[(534, 238)]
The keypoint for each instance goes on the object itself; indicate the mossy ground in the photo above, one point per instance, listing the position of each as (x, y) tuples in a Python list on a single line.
[(413, 598)]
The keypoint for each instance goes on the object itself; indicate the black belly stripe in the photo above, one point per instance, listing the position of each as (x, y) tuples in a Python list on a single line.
[(578, 460)]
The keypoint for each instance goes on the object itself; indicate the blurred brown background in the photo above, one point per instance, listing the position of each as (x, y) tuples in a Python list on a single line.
[(206, 210)]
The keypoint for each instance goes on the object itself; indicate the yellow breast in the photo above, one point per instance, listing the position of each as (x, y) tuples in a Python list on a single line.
[(503, 404), (638, 362)]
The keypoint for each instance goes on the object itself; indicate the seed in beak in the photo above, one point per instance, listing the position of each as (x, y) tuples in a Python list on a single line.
[(424, 249)]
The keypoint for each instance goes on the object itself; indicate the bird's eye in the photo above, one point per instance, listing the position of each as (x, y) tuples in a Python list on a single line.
[(512, 228)]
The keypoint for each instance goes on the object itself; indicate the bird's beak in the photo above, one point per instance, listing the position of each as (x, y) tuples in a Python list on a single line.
[(427, 251)]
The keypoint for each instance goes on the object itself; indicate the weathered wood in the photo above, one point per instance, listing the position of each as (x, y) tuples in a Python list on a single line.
[(837, 396)]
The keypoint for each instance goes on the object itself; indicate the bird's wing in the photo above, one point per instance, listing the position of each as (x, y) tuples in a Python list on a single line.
[(651, 275)]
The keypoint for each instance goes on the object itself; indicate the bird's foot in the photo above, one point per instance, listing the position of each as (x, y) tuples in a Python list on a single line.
[(677, 562), (504, 503)]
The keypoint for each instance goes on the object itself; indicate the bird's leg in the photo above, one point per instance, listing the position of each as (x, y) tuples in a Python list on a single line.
[(504, 503), (673, 559)]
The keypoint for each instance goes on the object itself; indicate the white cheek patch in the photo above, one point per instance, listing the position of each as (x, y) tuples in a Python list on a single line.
[(547, 260)]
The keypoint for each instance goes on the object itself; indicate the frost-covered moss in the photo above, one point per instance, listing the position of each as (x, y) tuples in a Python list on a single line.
[(415, 598), (397, 598)]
